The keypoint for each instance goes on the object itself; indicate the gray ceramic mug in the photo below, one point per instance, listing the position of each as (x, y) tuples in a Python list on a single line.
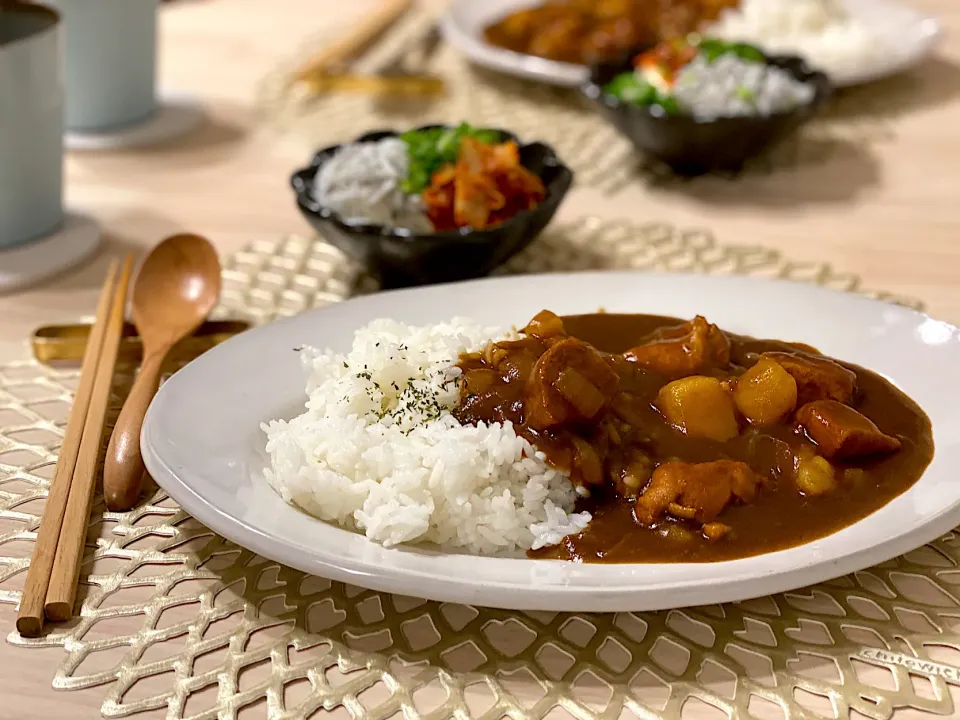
[(111, 62), (31, 123)]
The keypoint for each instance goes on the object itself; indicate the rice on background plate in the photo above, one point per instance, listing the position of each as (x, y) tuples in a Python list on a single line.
[(824, 32), (379, 452)]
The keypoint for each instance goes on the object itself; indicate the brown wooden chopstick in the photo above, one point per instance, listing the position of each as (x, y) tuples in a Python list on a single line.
[(30, 614), (355, 41), (73, 532)]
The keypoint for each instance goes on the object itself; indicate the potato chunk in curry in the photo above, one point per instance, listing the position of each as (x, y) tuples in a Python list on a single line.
[(631, 472), (815, 475), (818, 378), (699, 406), (765, 393)]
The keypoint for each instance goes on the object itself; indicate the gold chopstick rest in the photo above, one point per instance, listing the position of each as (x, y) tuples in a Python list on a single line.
[(66, 343), (419, 85)]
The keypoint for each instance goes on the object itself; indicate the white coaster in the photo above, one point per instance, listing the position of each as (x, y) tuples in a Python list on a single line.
[(75, 241), (176, 115)]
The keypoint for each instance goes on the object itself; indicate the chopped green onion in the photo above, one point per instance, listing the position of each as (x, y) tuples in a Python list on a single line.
[(430, 150), (416, 181), (712, 48), (749, 53), (669, 103), (631, 88)]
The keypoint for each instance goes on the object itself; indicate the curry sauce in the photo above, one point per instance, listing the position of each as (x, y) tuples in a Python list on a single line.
[(607, 433), (588, 31)]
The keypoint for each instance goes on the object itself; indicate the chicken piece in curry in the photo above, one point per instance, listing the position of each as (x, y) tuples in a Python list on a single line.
[(688, 443), (588, 31)]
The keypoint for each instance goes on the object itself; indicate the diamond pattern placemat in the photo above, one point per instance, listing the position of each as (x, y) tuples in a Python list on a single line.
[(175, 618)]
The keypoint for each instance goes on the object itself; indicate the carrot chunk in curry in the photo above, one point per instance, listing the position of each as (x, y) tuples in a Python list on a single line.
[(841, 432), (691, 444)]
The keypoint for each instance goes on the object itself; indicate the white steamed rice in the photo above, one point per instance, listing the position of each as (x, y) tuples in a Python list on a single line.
[(822, 32), (730, 86), (361, 183), (378, 450)]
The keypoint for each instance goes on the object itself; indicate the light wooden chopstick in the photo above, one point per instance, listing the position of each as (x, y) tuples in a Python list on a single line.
[(73, 532), (31, 612), (354, 42)]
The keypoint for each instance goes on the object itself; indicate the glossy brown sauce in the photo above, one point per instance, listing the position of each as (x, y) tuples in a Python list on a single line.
[(588, 31), (780, 517)]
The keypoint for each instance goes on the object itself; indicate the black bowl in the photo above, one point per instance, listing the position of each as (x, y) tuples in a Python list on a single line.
[(693, 147), (398, 257)]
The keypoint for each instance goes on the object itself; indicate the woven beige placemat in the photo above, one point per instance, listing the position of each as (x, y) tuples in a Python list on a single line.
[(853, 121), (176, 618)]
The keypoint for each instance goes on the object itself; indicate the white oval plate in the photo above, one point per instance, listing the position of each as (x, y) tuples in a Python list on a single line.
[(463, 24), (202, 442)]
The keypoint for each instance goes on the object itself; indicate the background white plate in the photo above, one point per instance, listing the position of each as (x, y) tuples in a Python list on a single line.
[(914, 33), (203, 445)]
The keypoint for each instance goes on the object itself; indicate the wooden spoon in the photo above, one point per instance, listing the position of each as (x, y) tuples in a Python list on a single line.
[(176, 288)]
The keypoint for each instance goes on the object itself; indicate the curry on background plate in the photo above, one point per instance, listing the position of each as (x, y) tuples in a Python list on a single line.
[(583, 32)]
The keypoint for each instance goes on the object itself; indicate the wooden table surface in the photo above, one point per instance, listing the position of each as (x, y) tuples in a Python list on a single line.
[(890, 213)]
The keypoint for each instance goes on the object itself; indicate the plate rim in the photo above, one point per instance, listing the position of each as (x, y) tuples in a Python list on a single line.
[(559, 597)]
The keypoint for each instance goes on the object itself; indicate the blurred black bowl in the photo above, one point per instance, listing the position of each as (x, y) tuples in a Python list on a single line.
[(693, 147), (398, 257)]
